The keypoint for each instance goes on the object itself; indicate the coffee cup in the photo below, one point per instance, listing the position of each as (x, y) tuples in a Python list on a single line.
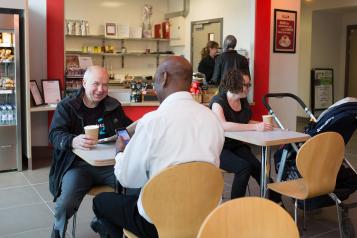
[(92, 130), (268, 119)]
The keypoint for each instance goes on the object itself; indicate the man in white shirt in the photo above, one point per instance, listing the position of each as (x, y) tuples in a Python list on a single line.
[(179, 131)]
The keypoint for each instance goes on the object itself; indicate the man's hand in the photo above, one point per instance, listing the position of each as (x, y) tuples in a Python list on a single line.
[(84, 142), (263, 126), (119, 144), (131, 128)]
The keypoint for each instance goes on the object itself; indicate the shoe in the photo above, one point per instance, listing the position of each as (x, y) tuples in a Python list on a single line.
[(98, 227), (55, 233)]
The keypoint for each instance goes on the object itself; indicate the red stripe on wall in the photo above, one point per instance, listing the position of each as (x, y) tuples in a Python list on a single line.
[(261, 56), (55, 40)]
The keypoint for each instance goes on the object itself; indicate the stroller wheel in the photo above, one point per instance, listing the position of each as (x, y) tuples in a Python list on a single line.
[(347, 228)]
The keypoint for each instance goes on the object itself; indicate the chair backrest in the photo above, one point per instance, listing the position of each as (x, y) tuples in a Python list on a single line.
[(319, 160), (180, 197), (249, 217)]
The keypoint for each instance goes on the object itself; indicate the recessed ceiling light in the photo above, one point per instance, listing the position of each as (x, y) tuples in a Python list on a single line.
[(111, 4)]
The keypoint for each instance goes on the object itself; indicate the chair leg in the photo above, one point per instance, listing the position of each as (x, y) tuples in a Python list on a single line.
[(295, 212), (74, 225), (337, 202), (304, 216)]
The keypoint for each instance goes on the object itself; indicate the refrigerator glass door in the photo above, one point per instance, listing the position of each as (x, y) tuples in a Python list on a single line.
[(10, 136)]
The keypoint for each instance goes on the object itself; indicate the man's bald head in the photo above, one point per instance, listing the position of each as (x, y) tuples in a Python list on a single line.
[(95, 84), (173, 75)]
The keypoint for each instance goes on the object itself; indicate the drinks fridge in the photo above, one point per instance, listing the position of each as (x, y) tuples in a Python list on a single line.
[(10, 83)]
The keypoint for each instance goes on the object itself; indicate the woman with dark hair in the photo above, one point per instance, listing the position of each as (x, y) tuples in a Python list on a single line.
[(206, 64), (229, 59), (233, 110)]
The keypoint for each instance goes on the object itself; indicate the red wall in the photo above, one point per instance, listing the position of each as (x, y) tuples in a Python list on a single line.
[(55, 42), (55, 39), (261, 56)]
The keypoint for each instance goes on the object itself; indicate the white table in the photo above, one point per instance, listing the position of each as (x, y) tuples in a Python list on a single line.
[(266, 139), (100, 155)]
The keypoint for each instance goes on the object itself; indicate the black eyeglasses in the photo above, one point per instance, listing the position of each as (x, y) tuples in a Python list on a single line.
[(248, 85)]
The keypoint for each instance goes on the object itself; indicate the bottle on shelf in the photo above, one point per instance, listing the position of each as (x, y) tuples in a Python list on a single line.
[(4, 117)]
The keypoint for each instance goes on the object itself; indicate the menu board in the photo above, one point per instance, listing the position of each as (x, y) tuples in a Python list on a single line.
[(321, 88)]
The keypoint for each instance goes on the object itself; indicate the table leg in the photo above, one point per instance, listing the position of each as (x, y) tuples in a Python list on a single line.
[(264, 170)]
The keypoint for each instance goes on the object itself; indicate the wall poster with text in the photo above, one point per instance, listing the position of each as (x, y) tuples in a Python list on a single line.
[(284, 31), (322, 95)]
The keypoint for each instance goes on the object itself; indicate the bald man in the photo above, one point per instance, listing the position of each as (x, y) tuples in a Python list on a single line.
[(179, 131), (70, 177)]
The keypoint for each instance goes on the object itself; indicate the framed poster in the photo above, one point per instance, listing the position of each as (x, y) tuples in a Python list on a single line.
[(110, 29), (284, 31), (35, 93), (322, 95), (51, 90)]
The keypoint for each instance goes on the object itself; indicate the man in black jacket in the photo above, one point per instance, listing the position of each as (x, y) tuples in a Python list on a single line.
[(71, 177), (229, 59)]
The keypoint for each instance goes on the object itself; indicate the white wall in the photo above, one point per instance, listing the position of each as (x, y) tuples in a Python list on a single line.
[(236, 16), (19, 4), (305, 63), (38, 69), (284, 70), (326, 46), (121, 12)]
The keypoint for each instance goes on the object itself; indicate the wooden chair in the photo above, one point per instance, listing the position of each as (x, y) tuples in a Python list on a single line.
[(180, 197), (248, 217), (318, 161), (93, 192)]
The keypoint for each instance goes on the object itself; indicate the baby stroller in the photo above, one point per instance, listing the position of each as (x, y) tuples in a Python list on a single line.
[(341, 118)]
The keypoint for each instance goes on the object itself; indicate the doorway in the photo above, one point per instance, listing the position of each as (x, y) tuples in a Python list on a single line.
[(201, 33), (351, 62)]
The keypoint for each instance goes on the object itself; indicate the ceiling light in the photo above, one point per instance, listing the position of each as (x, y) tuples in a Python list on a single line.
[(111, 4)]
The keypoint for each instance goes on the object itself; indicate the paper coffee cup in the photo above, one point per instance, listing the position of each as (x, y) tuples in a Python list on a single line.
[(92, 130), (268, 119)]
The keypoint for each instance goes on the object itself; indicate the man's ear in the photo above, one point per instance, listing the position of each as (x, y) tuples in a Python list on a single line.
[(164, 80)]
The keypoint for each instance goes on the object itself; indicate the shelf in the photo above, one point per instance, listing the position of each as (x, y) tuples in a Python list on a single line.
[(117, 54), (44, 108), (74, 77), (6, 46), (87, 36), (6, 91), (8, 125), (117, 38), (6, 62)]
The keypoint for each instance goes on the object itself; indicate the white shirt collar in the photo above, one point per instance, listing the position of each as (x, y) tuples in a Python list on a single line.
[(182, 95)]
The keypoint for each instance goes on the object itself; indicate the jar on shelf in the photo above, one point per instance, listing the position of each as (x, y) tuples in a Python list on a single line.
[(77, 27)]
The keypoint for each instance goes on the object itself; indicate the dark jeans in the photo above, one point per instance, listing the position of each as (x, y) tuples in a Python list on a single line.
[(241, 161), (76, 182), (118, 211)]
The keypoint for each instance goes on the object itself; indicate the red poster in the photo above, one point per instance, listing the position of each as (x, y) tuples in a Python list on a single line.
[(284, 31)]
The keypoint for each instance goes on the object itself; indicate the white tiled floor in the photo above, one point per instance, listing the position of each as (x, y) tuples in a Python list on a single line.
[(26, 208)]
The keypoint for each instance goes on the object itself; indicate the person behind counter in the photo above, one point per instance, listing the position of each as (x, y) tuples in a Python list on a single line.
[(229, 59), (177, 132), (233, 110), (70, 177), (206, 64)]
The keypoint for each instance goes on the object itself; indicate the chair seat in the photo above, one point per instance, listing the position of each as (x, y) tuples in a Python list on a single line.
[(100, 189), (292, 188), (129, 234)]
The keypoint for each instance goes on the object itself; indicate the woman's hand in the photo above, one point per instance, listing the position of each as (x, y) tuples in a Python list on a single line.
[(263, 126)]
